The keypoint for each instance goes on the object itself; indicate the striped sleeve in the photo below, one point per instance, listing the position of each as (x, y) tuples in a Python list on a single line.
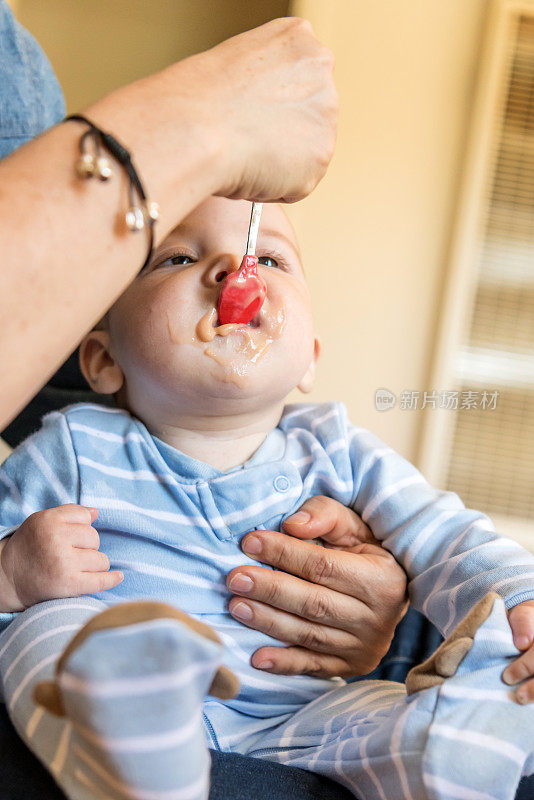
[(41, 473), (452, 554)]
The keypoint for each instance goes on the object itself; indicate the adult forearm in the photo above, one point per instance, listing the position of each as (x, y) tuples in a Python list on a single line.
[(221, 122), (71, 252)]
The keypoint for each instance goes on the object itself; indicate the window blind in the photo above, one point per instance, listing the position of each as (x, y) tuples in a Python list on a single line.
[(489, 453)]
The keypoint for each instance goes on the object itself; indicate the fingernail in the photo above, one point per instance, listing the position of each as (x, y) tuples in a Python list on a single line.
[(507, 678), (252, 546), (522, 642), (521, 697), (300, 518), (241, 611), (241, 583), (265, 665)]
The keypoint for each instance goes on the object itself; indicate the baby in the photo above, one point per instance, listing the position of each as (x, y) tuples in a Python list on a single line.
[(199, 451)]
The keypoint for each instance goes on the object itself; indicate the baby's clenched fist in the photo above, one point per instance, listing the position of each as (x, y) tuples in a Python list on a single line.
[(53, 554)]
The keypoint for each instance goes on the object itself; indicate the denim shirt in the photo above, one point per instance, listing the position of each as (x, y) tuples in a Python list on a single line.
[(31, 99)]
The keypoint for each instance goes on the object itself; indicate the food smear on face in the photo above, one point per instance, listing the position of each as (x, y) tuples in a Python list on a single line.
[(249, 342), (238, 354), (242, 294), (206, 331), (257, 343)]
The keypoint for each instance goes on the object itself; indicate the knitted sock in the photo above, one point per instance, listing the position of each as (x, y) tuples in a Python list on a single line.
[(134, 697), (480, 741)]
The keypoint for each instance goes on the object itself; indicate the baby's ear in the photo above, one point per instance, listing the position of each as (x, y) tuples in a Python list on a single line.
[(307, 381), (101, 371), (47, 695)]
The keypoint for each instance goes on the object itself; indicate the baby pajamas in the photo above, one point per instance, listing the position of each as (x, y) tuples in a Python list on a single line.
[(173, 526), (462, 737)]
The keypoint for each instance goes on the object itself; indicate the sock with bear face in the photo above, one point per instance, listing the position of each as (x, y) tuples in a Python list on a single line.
[(132, 684)]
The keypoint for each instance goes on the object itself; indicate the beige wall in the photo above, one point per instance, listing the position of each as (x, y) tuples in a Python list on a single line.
[(97, 45), (375, 233)]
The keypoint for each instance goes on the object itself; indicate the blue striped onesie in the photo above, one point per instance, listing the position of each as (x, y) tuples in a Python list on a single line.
[(173, 525)]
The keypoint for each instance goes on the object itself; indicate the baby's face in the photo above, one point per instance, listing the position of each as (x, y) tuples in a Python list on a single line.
[(163, 329)]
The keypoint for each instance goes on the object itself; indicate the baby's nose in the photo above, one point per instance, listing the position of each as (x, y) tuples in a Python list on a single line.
[(221, 267)]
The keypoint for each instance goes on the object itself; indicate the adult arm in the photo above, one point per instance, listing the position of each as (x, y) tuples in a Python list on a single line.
[(337, 609), (263, 131)]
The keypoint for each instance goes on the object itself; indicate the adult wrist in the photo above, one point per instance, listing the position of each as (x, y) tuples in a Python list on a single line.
[(176, 145)]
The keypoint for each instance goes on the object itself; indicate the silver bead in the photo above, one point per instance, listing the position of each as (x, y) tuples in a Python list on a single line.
[(86, 165), (152, 210), (103, 168), (135, 220)]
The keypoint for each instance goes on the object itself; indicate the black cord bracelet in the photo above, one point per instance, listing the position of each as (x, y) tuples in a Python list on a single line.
[(140, 215)]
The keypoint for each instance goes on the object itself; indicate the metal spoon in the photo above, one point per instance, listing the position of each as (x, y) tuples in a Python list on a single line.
[(253, 228)]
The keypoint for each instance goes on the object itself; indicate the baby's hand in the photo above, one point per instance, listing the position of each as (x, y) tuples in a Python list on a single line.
[(521, 619), (53, 554)]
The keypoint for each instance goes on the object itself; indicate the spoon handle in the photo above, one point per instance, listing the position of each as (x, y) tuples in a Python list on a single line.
[(253, 227)]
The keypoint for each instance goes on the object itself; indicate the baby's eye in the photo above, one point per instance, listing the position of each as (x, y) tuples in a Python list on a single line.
[(179, 260), (268, 261)]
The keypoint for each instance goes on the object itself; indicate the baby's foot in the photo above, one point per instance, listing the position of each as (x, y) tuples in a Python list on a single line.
[(132, 683)]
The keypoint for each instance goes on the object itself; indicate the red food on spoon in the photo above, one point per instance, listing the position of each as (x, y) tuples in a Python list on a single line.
[(242, 293)]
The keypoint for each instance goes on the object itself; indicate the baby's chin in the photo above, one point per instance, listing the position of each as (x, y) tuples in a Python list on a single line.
[(242, 383), (234, 388), (230, 367), (222, 381)]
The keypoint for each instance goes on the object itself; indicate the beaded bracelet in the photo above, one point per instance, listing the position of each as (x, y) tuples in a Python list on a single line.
[(142, 213)]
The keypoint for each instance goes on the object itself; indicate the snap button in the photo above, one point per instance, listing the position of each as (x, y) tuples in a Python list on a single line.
[(281, 483)]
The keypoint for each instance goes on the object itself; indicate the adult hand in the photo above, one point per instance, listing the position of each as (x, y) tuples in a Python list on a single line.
[(261, 106), (521, 670), (279, 104), (335, 606)]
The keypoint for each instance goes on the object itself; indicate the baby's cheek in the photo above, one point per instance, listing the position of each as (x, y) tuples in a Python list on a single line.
[(300, 329), (137, 344)]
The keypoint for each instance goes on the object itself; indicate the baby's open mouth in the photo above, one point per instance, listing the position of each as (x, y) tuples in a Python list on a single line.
[(237, 354), (255, 322), (209, 326)]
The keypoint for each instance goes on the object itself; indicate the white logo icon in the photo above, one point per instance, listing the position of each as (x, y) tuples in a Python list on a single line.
[(384, 400)]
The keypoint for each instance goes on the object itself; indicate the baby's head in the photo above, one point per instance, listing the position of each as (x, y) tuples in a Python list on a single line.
[(159, 348)]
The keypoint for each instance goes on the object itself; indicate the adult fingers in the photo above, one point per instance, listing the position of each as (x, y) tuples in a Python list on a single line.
[(520, 669), (288, 593), (291, 629), (324, 518), (344, 572), (525, 693), (299, 661), (521, 619), (282, 142)]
